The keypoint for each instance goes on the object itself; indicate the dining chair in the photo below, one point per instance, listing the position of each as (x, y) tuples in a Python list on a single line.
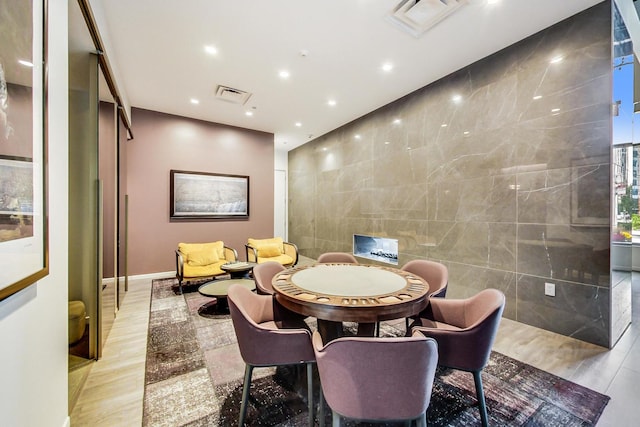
[(266, 339), (341, 257), (465, 330), (434, 273), (262, 275), (376, 379)]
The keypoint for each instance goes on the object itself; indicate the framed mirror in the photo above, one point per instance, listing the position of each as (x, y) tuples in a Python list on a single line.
[(23, 180)]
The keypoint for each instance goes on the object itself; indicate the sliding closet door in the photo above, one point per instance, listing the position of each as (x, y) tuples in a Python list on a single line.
[(85, 277), (123, 284), (107, 158)]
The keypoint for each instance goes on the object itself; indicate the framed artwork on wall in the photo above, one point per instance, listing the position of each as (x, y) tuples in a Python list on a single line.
[(23, 148), (208, 196)]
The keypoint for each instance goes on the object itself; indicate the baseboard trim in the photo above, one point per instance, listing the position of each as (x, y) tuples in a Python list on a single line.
[(150, 276)]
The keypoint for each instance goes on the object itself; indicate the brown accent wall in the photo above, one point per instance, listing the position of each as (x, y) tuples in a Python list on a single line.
[(494, 186), (163, 142)]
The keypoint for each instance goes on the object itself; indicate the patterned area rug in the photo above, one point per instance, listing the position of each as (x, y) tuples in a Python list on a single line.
[(194, 377)]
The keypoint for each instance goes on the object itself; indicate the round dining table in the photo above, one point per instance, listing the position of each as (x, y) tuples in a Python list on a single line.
[(334, 293)]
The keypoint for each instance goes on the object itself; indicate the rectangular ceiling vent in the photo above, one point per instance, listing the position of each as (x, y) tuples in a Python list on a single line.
[(229, 94), (417, 16)]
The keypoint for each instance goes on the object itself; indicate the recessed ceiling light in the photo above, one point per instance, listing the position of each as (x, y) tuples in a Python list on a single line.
[(248, 113), (387, 66), (25, 63), (387, 143), (456, 98), (284, 74), (444, 125), (556, 59), (537, 97), (211, 50), (357, 136), (555, 110), (298, 124), (466, 132), (195, 101), (397, 121), (324, 148), (331, 102)]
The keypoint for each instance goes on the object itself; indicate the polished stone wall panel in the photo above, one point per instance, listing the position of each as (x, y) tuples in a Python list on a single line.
[(496, 185), (490, 245), (544, 197), (562, 252), (480, 154), (402, 202), (479, 199), (356, 176), (577, 311), (467, 280), (621, 307)]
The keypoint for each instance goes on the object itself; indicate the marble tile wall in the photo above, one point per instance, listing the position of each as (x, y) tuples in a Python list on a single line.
[(487, 184)]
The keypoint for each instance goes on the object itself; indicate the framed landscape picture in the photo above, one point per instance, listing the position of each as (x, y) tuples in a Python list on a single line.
[(23, 181), (208, 196)]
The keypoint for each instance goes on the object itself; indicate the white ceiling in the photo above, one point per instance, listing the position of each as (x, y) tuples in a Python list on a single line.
[(158, 48)]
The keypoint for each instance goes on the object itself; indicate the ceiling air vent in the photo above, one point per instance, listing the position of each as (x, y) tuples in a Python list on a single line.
[(417, 16), (229, 94)]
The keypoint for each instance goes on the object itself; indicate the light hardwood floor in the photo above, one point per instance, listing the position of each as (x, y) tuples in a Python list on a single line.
[(113, 392)]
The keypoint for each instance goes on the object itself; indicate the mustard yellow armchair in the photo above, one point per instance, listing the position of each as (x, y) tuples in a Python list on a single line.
[(196, 261), (274, 249)]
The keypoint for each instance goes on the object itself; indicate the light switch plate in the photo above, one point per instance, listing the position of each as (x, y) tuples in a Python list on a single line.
[(550, 289)]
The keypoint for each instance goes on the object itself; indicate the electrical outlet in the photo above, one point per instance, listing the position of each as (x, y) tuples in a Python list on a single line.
[(550, 289)]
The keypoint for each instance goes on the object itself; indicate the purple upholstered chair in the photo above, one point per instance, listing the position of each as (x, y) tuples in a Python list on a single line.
[(263, 340), (377, 379), (435, 273), (465, 330), (262, 275), (343, 257)]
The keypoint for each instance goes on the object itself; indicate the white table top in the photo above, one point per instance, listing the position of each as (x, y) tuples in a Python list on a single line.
[(348, 280)]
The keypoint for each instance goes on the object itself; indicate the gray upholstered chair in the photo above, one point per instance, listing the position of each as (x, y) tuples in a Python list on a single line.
[(377, 379), (342, 257), (262, 275), (435, 273), (266, 340), (465, 330)]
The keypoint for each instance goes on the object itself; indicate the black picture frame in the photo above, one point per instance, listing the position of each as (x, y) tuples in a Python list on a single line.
[(24, 253), (208, 196)]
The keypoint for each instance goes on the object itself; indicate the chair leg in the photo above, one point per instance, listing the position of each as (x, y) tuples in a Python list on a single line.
[(245, 394), (477, 377), (321, 409), (310, 392), (336, 419), (422, 421)]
